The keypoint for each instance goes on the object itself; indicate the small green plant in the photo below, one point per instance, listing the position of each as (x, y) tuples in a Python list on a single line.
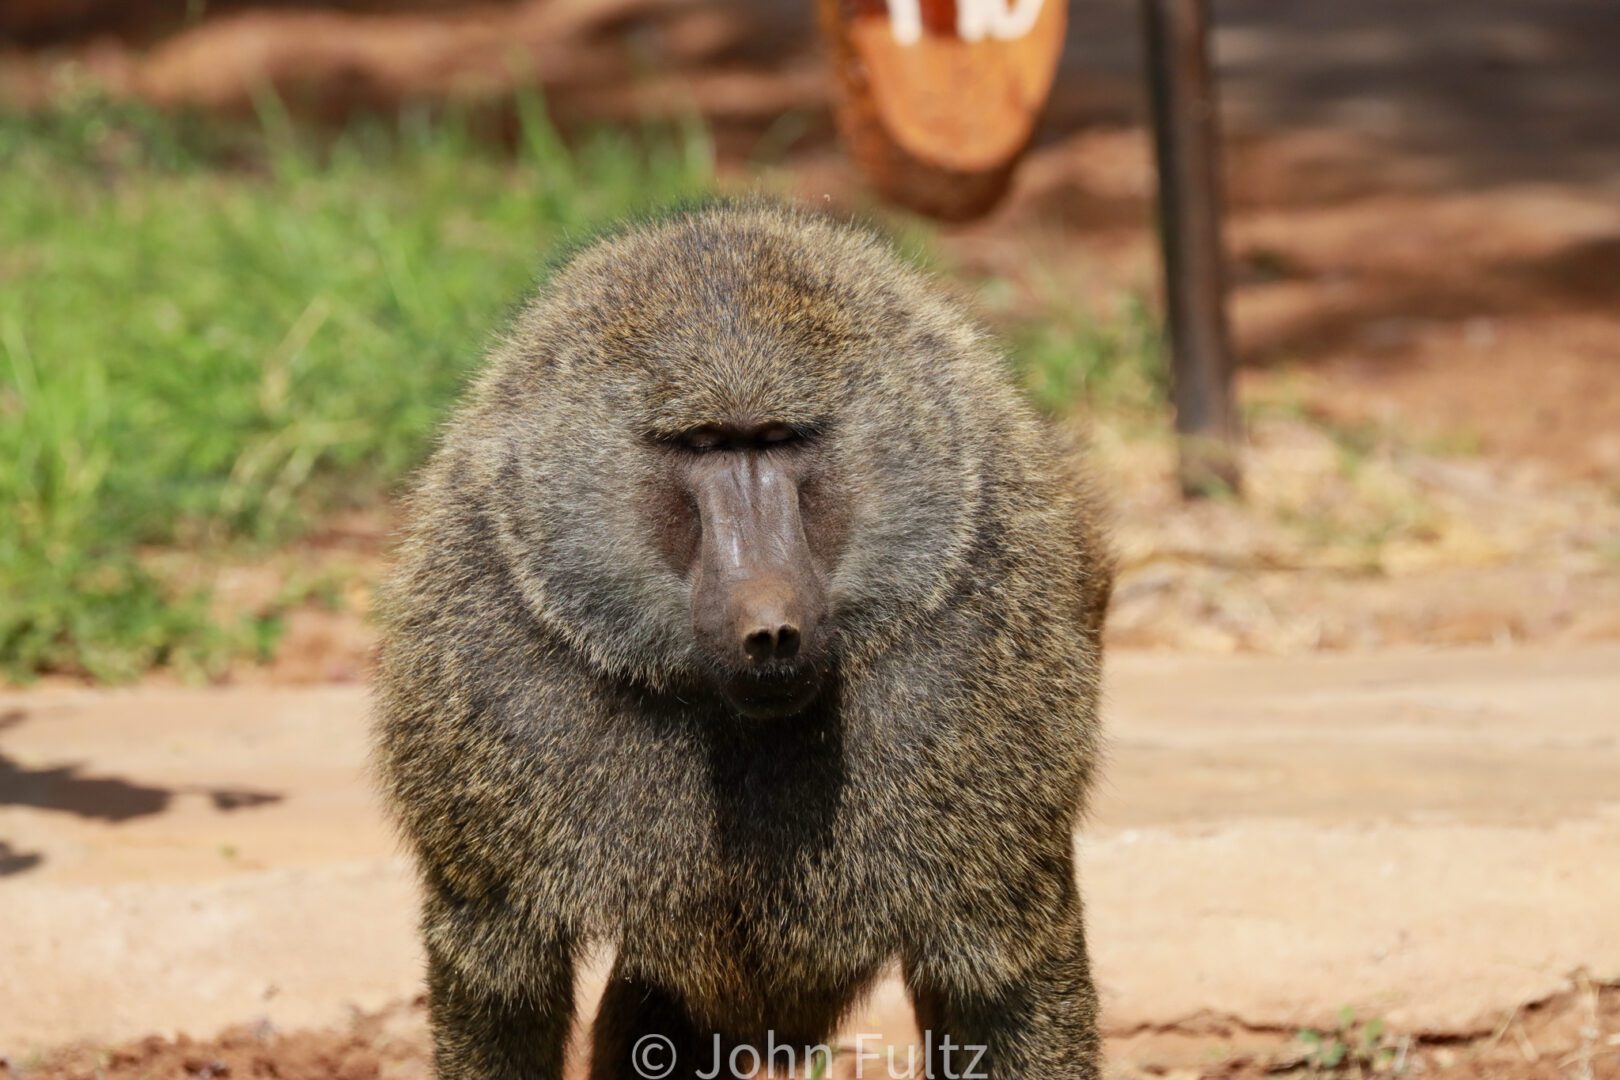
[(1348, 1046)]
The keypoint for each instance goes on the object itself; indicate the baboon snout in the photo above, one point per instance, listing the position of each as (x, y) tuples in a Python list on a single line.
[(757, 600), (762, 609), (761, 643)]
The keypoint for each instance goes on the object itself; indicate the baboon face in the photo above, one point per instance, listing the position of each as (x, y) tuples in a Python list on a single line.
[(758, 600), (731, 458)]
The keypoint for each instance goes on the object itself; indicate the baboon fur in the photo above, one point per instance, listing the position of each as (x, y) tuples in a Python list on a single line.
[(547, 737)]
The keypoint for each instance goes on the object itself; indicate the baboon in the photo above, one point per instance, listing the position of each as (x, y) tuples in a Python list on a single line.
[(746, 624)]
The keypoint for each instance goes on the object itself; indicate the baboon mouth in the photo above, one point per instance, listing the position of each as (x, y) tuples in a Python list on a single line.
[(772, 695)]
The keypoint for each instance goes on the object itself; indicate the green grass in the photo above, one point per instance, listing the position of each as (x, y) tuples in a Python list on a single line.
[(1116, 363), (209, 338)]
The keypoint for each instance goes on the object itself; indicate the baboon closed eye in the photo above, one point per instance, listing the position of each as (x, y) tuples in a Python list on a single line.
[(741, 437)]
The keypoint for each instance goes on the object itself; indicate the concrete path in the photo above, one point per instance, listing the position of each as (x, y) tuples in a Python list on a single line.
[(1430, 838)]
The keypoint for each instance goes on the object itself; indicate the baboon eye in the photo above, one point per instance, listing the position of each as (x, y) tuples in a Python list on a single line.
[(777, 434), (701, 439)]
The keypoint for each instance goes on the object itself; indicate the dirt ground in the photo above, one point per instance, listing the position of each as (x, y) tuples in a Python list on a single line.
[(1547, 1040), (1422, 838)]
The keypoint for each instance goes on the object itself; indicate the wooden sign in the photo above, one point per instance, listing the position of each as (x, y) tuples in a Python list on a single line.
[(937, 99)]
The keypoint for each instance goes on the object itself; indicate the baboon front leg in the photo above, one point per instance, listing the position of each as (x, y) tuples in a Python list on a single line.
[(1038, 1026), (481, 1034), (644, 1031)]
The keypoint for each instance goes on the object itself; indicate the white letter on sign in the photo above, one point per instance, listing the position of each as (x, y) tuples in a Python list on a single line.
[(1003, 19), (905, 19)]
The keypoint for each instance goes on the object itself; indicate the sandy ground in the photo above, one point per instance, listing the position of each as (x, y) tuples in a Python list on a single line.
[(1424, 838)]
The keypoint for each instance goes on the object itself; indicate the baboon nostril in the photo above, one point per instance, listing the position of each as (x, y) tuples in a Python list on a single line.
[(759, 646), (787, 642), (780, 644)]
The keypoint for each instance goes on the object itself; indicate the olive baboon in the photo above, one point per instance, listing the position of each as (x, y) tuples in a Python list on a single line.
[(747, 622)]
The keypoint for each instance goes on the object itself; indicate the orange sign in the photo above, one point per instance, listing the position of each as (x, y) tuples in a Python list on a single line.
[(936, 94)]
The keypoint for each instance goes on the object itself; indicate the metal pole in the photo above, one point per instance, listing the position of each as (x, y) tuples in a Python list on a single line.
[(1186, 139)]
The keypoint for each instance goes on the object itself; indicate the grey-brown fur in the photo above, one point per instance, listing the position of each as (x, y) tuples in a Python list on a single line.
[(565, 775)]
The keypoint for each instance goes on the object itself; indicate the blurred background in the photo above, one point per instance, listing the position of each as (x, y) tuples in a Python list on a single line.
[(250, 250)]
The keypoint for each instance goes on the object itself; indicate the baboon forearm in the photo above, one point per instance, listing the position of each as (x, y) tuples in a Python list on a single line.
[(482, 1035), (1042, 1025)]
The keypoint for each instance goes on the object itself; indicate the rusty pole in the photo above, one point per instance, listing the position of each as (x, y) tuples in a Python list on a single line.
[(1186, 136)]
